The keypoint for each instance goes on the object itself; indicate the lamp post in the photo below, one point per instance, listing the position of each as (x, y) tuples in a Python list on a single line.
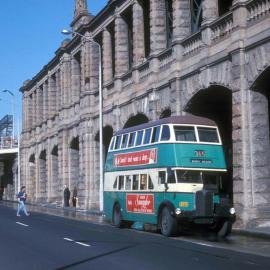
[(101, 187), (13, 136), (13, 114)]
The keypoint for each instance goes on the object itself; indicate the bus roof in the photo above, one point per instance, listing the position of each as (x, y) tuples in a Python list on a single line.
[(186, 120)]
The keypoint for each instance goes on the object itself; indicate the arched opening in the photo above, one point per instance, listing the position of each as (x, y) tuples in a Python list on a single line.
[(43, 175), (74, 164), (260, 136), (32, 176), (54, 187), (107, 135), (136, 120), (215, 103), (224, 6), (166, 113)]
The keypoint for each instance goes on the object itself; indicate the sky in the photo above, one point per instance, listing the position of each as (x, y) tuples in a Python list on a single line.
[(30, 35)]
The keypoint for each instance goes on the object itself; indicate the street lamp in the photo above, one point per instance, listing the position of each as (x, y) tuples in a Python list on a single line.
[(13, 136), (101, 187), (13, 113)]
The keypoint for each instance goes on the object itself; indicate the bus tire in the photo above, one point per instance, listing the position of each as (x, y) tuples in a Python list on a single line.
[(117, 217), (225, 229), (168, 223)]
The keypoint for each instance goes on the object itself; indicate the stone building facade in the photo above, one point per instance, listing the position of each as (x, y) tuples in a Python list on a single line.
[(159, 58)]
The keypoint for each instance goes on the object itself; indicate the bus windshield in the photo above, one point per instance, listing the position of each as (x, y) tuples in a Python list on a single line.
[(204, 177)]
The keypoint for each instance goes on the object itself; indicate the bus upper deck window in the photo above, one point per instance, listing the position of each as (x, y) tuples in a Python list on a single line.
[(143, 183), (139, 137), (124, 141), (165, 135), (185, 134), (135, 183), (118, 141), (147, 136), (128, 182), (112, 143), (121, 182), (208, 135), (131, 139), (155, 135)]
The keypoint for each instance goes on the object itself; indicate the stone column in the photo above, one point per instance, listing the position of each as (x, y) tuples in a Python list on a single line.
[(39, 105), (209, 10), (138, 33), (158, 41), (65, 78), (181, 19), (107, 56), (58, 90), (25, 111), (94, 66), (242, 177), (121, 46), (34, 108), (52, 96), (75, 79), (45, 101)]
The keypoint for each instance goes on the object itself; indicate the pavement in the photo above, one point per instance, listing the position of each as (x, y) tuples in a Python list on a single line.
[(97, 217)]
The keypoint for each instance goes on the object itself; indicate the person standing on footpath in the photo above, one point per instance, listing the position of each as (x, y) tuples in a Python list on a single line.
[(66, 196), (74, 197), (21, 199)]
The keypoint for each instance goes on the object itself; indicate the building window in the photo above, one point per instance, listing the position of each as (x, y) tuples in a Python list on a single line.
[(196, 15), (111, 29), (224, 6), (146, 17), (169, 22), (128, 17)]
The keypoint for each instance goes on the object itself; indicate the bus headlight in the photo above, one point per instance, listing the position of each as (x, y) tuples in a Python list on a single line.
[(177, 211), (232, 211)]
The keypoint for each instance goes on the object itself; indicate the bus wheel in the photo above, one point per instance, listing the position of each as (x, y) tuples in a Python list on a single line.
[(225, 229), (117, 218), (222, 229), (168, 224)]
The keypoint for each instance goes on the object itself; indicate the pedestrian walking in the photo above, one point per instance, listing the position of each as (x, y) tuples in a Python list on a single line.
[(74, 197), (21, 199), (66, 196)]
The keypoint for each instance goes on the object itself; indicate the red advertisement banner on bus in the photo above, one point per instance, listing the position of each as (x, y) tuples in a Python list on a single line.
[(140, 203), (144, 157)]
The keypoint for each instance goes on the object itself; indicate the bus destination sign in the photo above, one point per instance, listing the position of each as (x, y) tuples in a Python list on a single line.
[(140, 203), (144, 157)]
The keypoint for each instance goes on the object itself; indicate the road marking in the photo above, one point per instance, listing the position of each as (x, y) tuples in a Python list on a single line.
[(22, 224), (68, 239), (82, 244), (79, 243)]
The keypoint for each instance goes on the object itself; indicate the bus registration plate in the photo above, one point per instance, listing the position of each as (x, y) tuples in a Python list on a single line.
[(140, 203)]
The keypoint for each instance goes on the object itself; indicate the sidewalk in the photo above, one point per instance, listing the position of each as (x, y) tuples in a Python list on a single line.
[(98, 218)]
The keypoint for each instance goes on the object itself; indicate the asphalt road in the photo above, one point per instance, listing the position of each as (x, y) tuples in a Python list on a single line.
[(42, 241)]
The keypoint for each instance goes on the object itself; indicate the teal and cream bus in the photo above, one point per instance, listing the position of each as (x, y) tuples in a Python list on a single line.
[(168, 173)]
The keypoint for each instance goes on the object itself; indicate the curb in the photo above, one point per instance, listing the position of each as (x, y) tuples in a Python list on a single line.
[(252, 233)]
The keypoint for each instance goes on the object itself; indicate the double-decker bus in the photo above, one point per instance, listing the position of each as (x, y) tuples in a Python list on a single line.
[(168, 173)]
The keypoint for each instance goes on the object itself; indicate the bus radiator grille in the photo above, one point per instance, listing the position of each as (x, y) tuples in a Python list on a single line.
[(204, 203)]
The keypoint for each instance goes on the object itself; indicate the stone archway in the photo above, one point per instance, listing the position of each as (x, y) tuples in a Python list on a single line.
[(215, 103), (136, 120)]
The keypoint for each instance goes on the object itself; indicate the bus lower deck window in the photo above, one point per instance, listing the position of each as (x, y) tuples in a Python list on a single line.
[(161, 177), (115, 184), (121, 182), (150, 183), (128, 182), (143, 183), (135, 184)]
